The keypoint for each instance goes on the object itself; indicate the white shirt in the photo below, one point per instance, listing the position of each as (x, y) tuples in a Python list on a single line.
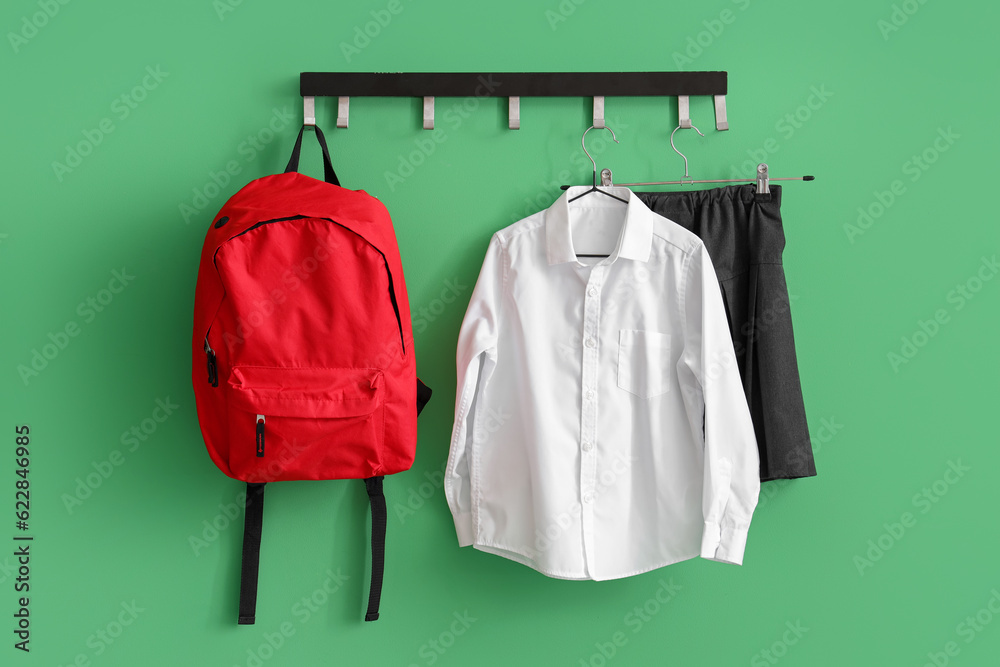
[(601, 428)]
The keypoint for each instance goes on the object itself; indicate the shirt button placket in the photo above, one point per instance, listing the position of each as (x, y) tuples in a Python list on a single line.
[(588, 427)]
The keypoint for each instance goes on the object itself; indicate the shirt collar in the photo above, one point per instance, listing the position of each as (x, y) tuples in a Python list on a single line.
[(637, 233)]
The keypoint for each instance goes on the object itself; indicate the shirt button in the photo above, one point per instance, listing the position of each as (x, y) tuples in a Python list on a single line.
[(587, 446), (592, 291), (590, 394), (590, 342), (588, 498)]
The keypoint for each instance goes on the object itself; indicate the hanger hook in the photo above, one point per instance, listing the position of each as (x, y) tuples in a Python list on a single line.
[(583, 142), (675, 148)]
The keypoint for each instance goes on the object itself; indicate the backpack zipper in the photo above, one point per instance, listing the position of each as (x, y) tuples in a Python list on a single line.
[(260, 436), (213, 368)]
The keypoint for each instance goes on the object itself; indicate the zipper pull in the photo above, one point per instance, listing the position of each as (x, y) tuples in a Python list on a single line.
[(260, 436), (213, 368)]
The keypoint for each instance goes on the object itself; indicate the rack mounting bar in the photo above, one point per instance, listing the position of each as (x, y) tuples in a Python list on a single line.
[(514, 85)]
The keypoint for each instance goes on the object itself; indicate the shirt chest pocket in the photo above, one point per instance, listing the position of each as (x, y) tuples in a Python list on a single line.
[(644, 362)]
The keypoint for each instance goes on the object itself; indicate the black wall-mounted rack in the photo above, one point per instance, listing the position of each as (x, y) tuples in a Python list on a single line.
[(513, 85)]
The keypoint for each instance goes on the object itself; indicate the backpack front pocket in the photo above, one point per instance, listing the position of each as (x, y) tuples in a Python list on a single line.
[(300, 423)]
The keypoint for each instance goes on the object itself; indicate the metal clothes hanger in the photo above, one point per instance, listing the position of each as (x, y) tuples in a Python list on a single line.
[(593, 187), (761, 178), (700, 133)]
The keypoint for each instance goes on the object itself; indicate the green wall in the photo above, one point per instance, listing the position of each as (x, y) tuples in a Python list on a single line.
[(888, 557)]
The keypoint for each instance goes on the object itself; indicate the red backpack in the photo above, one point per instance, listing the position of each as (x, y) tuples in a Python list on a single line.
[(302, 349)]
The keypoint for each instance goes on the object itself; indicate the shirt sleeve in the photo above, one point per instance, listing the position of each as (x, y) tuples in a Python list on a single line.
[(731, 461), (475, 360)]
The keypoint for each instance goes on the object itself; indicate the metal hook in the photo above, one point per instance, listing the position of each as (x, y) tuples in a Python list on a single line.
[(675, 148), (583, 142)]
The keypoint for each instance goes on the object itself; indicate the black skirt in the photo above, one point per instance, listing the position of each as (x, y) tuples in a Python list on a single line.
[(743, 235)]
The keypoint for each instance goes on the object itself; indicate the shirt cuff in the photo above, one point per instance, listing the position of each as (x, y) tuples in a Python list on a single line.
[(723, 543), (463, 526)]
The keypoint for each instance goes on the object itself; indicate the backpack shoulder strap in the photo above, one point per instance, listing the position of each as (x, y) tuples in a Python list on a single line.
[(377, 500), (253, 519)]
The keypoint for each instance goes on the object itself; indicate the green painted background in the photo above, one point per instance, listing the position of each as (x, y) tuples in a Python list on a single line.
[(854, 92)]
